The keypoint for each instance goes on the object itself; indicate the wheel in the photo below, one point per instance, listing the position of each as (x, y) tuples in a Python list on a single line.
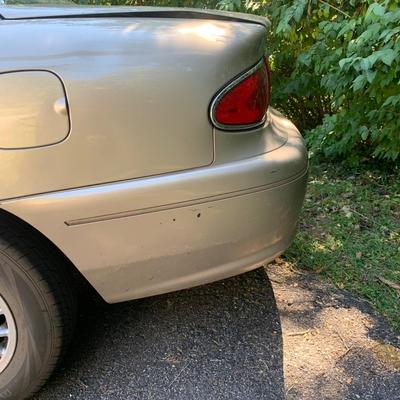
[(37, 309)]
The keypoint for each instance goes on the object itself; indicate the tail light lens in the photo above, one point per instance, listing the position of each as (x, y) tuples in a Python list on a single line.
[(244, 102)]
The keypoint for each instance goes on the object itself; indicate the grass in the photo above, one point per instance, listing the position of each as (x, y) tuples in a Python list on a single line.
[(350, 233)]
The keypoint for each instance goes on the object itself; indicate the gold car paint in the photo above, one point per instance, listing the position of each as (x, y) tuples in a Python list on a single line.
[(138, 93), (145, 196)]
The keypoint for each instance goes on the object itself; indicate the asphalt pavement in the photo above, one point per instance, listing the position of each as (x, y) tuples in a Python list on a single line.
[(219, 341), (232, 340)]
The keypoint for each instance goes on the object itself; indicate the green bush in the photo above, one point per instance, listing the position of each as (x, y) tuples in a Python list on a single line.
[(340, 79)]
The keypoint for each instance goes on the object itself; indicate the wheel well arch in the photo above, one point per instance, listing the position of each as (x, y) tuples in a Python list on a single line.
[(8, 219)]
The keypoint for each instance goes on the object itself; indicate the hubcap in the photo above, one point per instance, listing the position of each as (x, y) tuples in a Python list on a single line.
[(8, 335)]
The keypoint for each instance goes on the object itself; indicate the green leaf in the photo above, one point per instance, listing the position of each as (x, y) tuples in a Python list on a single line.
[(370, 76), (391, 101), (373, 58), (365, 64), (348, 27), (305, 58), (359, 82), (299, 9), (388, 56), (364, 132), (343, 62), (375, 8)]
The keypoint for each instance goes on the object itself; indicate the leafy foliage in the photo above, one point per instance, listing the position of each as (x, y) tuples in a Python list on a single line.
[(344, 68), (336, 69)]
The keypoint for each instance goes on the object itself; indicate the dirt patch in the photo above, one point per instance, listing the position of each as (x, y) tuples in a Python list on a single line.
[(334, 345)]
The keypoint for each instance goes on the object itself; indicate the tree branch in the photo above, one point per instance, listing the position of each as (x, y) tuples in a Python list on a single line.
[(335, 8)]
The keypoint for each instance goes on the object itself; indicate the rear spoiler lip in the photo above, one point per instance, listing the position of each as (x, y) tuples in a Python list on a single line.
[(183, 13)]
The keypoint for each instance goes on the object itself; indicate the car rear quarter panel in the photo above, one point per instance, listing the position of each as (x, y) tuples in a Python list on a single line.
[(138, 93)]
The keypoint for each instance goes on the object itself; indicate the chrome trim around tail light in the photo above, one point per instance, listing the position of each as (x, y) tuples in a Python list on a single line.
[(236, 81)]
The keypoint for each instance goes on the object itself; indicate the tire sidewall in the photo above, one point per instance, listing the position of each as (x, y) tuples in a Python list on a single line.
[(33, 325)]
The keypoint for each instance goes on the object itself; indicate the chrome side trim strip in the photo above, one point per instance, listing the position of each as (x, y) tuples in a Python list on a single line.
[(164, 207)]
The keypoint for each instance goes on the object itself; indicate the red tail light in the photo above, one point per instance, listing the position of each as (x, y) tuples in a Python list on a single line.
[(244, 102)]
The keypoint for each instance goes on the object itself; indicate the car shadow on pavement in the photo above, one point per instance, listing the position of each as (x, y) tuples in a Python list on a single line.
[(218, 341)]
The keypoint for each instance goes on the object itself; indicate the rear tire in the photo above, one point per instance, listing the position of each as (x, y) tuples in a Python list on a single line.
[(36, 287)]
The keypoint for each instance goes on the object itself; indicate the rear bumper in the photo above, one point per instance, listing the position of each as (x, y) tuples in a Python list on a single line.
[(213, 241), (154, 235)]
